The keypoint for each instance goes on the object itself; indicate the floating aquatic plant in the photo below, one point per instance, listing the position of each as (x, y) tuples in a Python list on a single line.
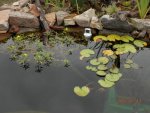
[(105, 83), (105, 64), (140, 43), (82, 92), (101, 73)]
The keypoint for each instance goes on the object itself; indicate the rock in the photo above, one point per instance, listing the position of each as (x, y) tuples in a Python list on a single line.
[(116, 24), (4, 25), (11, 7), (60, 15), (16, 4), (22, 19), (51, 18), (34, 10), (14, 29), (23, 3), (95, 23), (69, 20), (108, 32), (84, 19), (135, 33), (142, 34), (25, 9), (140, 24), (26, 30)]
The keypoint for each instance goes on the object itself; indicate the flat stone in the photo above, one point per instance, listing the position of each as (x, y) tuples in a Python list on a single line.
[(22, 19), (95, 23), (84, 19), (10, 7), (23, 3), (4, 25), (60, 15), (69, 20), (140, 24), (51, 18), (116, 24)]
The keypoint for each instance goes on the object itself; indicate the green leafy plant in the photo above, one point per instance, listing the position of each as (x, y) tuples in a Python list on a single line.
[(109, 50), (143, 7), (111, 9)]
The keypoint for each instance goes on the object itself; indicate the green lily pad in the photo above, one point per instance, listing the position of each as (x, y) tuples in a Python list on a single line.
[(113, 77), (102, 67), (86, 51), (105, 83), (127, 66), (139, 43), (129, 61), (114, 70), (127, 38), (130, 48), (94, 62), (88, 67), (113, 37), (135, 66), (113, 56), (103, 60), (93, 69), (101, 73), (84, 91), (100, 37)]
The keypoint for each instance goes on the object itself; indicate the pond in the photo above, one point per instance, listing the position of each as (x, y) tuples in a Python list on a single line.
[(51, 91)]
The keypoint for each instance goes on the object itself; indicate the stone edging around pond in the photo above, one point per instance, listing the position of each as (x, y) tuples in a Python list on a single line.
[(12, 16)]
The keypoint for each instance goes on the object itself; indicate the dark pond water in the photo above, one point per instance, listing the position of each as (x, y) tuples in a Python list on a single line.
[(51, 91)]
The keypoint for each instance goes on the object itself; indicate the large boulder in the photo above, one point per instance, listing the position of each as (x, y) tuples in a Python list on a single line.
[(116, 24), (22, 19), (4, 25), (60, 15), (84, 19), (140, 24)]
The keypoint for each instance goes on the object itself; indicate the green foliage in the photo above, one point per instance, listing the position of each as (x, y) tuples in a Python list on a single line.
[(82, 92), (140, 43), (111, 9), (105, 83), (105, 66), (143, 7), (130, 64)]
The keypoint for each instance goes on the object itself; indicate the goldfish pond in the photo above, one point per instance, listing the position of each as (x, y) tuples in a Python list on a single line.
[(109, 74)]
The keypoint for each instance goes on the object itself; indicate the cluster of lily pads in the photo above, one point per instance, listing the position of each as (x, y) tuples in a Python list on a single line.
[(104, 65)]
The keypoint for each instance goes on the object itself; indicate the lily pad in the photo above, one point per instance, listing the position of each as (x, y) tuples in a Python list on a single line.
[(103, 60), (105, 83), (101, 73), (108, 52), (129, 61), (102, 67), (113, 77), (93, 69), (86, 52), (140, 43), (84, 91), (88, 67), (99, 37), (135, 66), (113, 37), (127, 38), (94, 62), (127, 66), (114, 70)]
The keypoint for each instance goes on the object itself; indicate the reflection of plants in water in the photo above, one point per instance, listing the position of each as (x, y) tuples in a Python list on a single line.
[(107, 64), (23, 50)]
